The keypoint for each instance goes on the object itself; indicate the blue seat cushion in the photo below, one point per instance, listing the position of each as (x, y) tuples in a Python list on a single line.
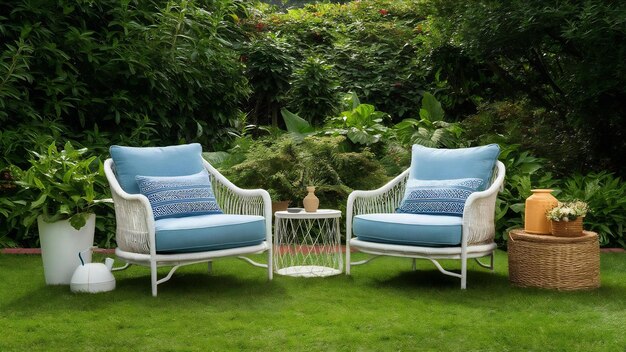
[(208, 232), (446, 164), (438, 197), (179, 196), (178, 160), (409, 229)]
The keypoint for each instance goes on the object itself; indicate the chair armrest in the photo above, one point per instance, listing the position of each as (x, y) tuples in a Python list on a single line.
[(235, 200), (479, 211), (133, 214), (382, 200)]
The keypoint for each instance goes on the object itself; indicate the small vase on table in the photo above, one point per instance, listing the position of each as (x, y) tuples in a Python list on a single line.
[(311, 202)]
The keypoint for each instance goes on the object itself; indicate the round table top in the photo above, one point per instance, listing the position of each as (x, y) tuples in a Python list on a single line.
[(521, 235), (319, 214)]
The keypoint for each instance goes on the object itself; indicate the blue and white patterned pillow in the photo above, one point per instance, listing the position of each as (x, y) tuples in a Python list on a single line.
[(179, 196), (438, 197)]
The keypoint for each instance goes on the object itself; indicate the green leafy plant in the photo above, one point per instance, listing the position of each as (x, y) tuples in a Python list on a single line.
[(606, 196), (371, 53), (269, 66), (313, 93), (295, 124), (286, 165), (96, 66), (523, 173), (430, 130), (565, 57), (362, 124), (60, 185), (268, 164), (536, 130)]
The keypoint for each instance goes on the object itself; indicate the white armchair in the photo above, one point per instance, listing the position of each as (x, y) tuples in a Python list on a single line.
[(477, 229), (137, 233)]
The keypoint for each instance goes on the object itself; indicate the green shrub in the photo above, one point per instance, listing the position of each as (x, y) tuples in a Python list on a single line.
[(269, 65), (566, 57), (104, 67), (536, 130), (606, 196), (362, 124), (313, 93), (370, 44), (523, 173), (59, 185), (109, 72), (430, 130), (285, 166)]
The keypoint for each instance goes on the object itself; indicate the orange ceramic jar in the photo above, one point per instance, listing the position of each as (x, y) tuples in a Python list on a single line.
[(537, 205)]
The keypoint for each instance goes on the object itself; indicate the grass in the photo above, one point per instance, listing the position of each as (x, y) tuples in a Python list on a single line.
[(383, 306)]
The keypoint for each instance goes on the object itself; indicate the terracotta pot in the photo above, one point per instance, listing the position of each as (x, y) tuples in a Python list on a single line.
[(280, 206), (568, 228), (537, 205), (311, 202)]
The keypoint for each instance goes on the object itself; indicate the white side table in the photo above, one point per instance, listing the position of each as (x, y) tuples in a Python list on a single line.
[(307, 244)]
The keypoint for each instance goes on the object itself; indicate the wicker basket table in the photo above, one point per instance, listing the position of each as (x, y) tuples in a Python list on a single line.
[(562, 263)]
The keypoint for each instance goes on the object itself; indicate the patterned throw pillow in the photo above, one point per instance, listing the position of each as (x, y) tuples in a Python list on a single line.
[(438, 197), (179, 196)]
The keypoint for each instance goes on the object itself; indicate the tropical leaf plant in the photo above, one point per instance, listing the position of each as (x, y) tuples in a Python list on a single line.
[(604, 193), (362, 124), (430, 130), (60, 185)]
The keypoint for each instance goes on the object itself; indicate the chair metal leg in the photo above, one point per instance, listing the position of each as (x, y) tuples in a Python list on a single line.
[(347, 259), (270, 265), (490, 266), (414, 264), (210, 266), (463, 271), (153, 276)]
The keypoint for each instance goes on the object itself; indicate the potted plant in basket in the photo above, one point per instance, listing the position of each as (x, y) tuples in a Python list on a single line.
[(58, 191), (566, 218)]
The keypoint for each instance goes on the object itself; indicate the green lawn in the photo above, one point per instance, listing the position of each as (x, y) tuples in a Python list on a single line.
[(383, 306)]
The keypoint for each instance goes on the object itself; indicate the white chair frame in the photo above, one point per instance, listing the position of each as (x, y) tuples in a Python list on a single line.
[(135, 229), (478, 228)]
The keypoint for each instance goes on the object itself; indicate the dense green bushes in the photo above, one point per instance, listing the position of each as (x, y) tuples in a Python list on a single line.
[(533, 129), (286, 166), (605, 195), (118, 72), (542, 79), (366, 47), (566, 57), (107, 72)]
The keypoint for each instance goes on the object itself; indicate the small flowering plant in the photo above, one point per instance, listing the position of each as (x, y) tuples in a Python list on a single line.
[(568, 211)]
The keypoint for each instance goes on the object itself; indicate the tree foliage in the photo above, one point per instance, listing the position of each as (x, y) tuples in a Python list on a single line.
[(108, 69), (566, 56)]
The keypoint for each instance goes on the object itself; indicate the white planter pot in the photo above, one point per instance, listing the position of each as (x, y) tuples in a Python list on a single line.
[(60, 245)]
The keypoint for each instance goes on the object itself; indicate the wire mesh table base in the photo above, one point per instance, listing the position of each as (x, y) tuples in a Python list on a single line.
[(307, 244)]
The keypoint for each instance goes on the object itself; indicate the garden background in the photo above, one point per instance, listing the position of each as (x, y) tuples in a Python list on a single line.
[(330, 94)]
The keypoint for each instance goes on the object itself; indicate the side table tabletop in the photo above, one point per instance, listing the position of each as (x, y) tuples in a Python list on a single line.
[(307, 244), (562, 263)]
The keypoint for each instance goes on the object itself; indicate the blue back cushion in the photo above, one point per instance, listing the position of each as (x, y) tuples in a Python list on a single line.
[(447, 164), (179, 196), (176, 160), (440, 180), (438, 197)]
